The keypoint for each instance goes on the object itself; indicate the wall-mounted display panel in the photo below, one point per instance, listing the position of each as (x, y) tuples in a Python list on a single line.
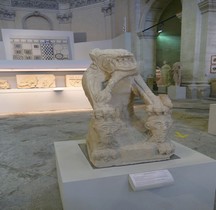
[(38, 44)]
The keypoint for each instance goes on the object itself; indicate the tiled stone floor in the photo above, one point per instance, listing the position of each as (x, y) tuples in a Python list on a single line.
[(28, 177)]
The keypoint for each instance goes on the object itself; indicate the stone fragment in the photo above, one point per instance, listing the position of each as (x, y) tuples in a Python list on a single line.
[(116, 136), (36, 81), (4, 84)]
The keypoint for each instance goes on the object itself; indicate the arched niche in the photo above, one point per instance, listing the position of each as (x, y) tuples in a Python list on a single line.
[(151, 15), (37, 21), (168, 41)]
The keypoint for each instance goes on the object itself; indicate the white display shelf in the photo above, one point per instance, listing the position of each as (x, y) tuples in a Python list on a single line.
[(43, 100), (44, 66), (31, 90), (60, 98)]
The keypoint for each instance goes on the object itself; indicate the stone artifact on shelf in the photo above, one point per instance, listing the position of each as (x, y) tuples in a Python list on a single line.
[(36, 81), (73, 80), (4, 84), (116, 136)]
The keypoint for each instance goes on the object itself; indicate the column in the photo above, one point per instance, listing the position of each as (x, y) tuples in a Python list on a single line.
[(208, 42), (194, 47)]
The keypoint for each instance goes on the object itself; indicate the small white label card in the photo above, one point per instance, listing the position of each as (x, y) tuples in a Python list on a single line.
[(150, 180)]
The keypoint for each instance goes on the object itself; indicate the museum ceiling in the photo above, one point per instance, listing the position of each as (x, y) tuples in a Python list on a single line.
[(46, 4)]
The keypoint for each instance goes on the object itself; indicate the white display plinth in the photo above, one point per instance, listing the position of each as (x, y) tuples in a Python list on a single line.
[(44, 99), (177, 92), (212, 119), (85, 188), (162, 89)]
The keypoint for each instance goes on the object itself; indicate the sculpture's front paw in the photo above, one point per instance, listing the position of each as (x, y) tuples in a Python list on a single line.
[(103, 97), (166, 148)]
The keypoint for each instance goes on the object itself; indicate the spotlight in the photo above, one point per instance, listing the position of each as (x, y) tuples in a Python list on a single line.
[(160, 28)]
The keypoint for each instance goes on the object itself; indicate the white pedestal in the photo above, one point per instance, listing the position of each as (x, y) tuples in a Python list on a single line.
[(85, 188), (177, 92), (39, 100), (212, 119), (198, 91), (162, 89)]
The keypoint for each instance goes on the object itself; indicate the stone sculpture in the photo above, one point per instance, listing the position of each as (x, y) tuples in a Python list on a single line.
[(166, 74), (36, 81), (4, 84), (158, 77), (176, 72), (116, 136), (73, 80)]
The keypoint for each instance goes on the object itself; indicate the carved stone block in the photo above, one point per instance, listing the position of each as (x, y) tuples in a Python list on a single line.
[(4, 84), (73, 80), (36, 81)]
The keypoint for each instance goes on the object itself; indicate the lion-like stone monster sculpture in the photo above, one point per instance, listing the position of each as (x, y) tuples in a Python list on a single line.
[(116, 136)]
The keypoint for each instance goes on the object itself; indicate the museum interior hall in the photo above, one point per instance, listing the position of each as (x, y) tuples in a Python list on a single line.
[(107, 104)]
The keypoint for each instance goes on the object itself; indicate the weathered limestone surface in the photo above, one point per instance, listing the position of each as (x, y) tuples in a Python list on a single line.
[(73, 80), (36, 81), (4, 84), (116, 136), (176, 72), (166, 74)]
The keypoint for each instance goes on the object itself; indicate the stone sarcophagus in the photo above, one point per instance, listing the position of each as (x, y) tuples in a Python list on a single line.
[(116, 136)]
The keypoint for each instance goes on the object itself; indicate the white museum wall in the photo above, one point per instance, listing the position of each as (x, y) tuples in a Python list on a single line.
[(21, 13), (121, 17), (94, 23), (7, 24), (122, 41), (82, 49)]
